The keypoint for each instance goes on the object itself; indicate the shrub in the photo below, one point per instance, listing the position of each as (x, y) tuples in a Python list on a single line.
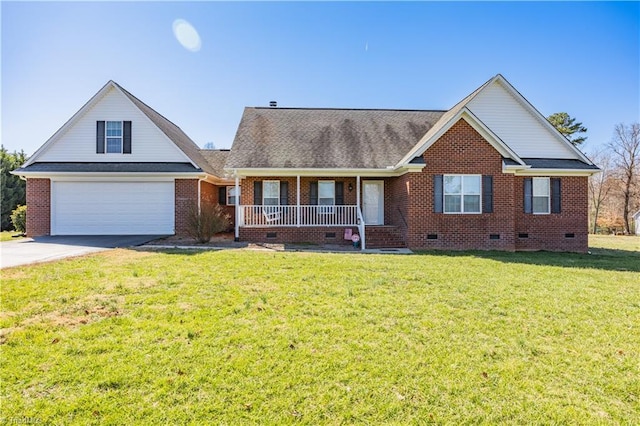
[(204, 224), (19, 219)]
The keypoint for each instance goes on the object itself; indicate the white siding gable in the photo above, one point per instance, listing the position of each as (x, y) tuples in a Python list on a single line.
[(514, 124), (78, 142)]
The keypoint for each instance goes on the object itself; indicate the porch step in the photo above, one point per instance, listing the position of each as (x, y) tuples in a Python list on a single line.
[(384, 236)]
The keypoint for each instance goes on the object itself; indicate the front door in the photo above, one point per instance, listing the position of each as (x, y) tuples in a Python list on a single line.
[(373, 202)]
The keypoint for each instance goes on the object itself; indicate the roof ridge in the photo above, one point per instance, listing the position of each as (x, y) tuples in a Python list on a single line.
[(348, 109), (145, 104)]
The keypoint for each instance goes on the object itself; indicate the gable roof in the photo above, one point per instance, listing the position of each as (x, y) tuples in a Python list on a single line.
[(326, 138), (447, 120), (169, 129), (173, 132)]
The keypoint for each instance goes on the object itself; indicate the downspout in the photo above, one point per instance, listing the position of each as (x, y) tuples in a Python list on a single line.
[(200, 194), (237, 212)]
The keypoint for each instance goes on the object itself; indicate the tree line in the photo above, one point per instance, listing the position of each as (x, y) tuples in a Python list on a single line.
[(13, 188)]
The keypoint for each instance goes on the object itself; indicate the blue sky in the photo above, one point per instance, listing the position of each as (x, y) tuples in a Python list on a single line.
[(582, 58)]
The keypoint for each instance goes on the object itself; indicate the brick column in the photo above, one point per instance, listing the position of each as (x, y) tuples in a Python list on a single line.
[(186, 198), (38, 207)]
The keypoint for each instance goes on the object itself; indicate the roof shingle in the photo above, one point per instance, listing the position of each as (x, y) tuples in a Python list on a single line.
[(326, 138)]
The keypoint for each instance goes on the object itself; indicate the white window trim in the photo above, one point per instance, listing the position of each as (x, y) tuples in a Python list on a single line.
[(462, 194), (533, 195), (229, 189), (327, 208), (263, 192), (121, 137)]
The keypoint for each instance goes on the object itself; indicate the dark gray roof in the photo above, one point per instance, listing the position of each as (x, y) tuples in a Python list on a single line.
[(110, 167), (327, 138), (553, 163), (510, 162), (173, 132), (216, 158)]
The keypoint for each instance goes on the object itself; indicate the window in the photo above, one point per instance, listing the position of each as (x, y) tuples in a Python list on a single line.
[(326, 195), (462, 193), (231, 195), (271, 193), (114, 137), (541, 197)]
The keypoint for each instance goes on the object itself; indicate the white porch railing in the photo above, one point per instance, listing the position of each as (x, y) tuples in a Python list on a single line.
[(299, 216)]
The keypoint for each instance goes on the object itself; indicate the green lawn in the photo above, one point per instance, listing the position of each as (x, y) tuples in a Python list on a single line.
[(242, 337), (8, 236)]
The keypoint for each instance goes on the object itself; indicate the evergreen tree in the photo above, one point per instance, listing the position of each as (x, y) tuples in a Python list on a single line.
[(13, 188), (568, 127)]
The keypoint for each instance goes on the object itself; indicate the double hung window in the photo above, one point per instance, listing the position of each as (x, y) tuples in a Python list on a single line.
[(462, 193), (114, 137)]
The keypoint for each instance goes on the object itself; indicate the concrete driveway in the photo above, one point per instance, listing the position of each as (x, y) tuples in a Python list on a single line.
[(43, 249)]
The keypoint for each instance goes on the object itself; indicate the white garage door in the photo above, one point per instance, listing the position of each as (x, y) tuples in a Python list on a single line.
[(112, 208)]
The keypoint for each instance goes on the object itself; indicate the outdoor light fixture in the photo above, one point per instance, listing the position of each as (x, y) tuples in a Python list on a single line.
[(350, 187)]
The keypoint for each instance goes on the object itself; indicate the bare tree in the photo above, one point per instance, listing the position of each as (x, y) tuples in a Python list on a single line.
[(599, 185), (625, 147)]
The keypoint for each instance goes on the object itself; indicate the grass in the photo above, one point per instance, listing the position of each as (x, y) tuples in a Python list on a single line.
[(9, 236), (615, 242), (229, 337)]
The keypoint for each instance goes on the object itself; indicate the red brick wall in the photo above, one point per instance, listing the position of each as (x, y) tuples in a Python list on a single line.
[(409, 205), (461, 150), (246, 192), (209, 195), (548, 231), (38, 207), (315, 235), (396, 199), (186, 194)]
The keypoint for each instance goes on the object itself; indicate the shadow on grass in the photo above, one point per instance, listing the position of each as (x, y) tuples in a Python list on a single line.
[(597, 258)]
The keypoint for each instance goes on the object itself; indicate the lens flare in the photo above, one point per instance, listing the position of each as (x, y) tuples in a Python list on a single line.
[(186, 35)]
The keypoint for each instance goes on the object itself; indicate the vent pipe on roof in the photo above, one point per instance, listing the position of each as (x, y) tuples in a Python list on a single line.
[(273, 104)]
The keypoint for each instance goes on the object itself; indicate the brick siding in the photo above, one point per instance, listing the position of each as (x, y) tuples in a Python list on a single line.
[(461, 150), (38, 207), (246, 193), (186, 198), (409, 205), (314, 235), (209, 194), (549, 231)]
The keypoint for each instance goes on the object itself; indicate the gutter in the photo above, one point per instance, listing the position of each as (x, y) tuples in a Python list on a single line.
[(390, 171)]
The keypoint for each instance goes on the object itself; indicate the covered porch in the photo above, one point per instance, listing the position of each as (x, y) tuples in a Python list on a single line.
[(308, 208)]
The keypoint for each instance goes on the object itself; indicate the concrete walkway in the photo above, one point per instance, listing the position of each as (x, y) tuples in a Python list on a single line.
[(43, 249)]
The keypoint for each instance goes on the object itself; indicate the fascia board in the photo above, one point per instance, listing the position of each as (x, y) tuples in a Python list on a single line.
[(264, 172), (70, 122), (549, 172), (85, 175), (489, 135), (184, 155), (541, 118), (474, 122)]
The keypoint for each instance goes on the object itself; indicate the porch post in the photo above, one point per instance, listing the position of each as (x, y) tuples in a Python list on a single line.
[(358, 191), (237, 213), (298, 200)]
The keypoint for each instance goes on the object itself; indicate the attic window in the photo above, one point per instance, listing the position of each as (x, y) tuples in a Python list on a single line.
[(114, 137)]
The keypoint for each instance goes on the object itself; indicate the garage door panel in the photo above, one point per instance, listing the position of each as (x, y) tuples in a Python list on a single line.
[(113, 208)]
